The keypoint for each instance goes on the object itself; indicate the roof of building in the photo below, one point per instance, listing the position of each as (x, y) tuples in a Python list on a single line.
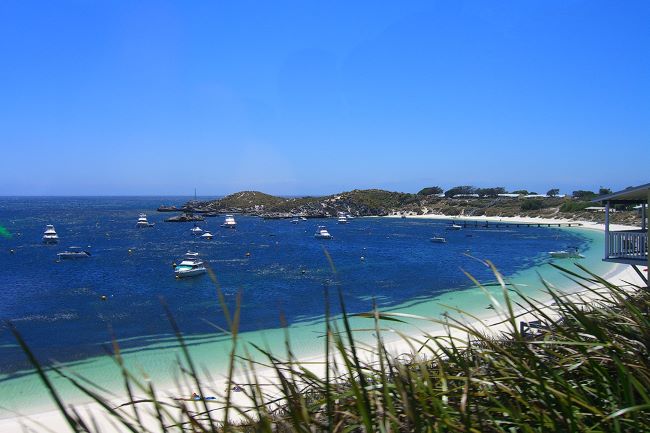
[(633, 194)]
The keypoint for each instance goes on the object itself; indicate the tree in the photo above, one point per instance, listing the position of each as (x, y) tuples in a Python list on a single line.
[(553, 192), (583, 194), (604, 191), (490, 192), (520, 192), (432, 190), (464, 189)]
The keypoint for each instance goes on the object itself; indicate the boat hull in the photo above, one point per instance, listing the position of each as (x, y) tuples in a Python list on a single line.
[(190, 273), (72, 256)]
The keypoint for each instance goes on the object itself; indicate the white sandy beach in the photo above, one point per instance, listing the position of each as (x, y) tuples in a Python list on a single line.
[(54, 421)]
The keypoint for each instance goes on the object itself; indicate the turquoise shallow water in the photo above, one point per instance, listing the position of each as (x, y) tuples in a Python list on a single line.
[(56, 305)]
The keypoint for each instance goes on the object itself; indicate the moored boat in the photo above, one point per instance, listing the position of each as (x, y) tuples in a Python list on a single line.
[(196, 230), (571, 253), (229, 222), (207, 236), (73, 253), (49, 235), (438, 240), (143, 222), (190, 266), (322, 233)]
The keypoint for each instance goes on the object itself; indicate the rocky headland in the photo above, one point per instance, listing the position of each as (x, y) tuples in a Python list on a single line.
[(376, 202)]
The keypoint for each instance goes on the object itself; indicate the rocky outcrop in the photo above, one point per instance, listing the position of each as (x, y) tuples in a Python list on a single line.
[(183, 218)]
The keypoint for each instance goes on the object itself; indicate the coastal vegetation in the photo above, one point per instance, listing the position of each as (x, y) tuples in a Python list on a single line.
[(581, 365)]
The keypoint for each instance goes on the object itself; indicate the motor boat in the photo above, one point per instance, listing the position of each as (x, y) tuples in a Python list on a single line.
[(190, 266), (438, 240), (49, 235), (207, 236), (571, 253), (302, 218), (142, 221), (196, 230), (342, 219), (229, 222), (295, 221), (322, 233), (73, 253), (454, 227)]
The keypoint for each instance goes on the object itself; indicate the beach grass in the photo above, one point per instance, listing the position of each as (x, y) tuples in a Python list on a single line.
[(580, 365)]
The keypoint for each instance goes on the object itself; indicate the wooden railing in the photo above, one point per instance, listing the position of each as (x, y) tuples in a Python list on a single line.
[(630, 244)]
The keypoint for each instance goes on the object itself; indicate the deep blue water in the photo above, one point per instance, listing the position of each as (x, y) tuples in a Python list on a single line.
[(57, 305)]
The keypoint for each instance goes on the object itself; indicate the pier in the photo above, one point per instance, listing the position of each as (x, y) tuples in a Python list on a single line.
[(496, 224)]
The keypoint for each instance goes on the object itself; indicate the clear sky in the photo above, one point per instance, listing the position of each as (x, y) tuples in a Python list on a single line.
[(311, 97)]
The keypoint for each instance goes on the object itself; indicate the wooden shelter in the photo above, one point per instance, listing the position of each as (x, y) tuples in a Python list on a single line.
[(628, 246)]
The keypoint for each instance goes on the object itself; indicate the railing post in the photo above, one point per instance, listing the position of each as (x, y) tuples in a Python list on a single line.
[(606, 229)]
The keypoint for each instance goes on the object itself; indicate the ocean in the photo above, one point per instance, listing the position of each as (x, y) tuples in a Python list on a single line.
[(279, 270)]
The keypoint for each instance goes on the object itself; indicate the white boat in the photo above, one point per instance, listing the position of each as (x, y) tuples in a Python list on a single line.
[(229, 222), (73, 253), (571, 253), (322, 233), (142, 221), (349, 216), (295, 221), (207, 236), (342, 219), (438, 240), (454, 227), (303, 218), (196, 230), (49, 235), (190, 266)]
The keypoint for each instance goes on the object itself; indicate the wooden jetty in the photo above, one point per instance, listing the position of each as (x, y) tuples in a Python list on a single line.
[(496, 224)]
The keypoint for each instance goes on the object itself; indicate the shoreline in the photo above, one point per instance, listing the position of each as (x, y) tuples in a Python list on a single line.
[(489, 321)]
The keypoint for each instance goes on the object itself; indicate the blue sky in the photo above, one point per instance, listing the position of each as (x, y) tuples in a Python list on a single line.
[(307, 97)]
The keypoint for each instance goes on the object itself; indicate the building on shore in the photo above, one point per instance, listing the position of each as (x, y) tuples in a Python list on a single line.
[(628, 246)]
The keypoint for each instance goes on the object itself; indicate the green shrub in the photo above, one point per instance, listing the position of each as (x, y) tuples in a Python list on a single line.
[(575, 206), (532, 204)]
